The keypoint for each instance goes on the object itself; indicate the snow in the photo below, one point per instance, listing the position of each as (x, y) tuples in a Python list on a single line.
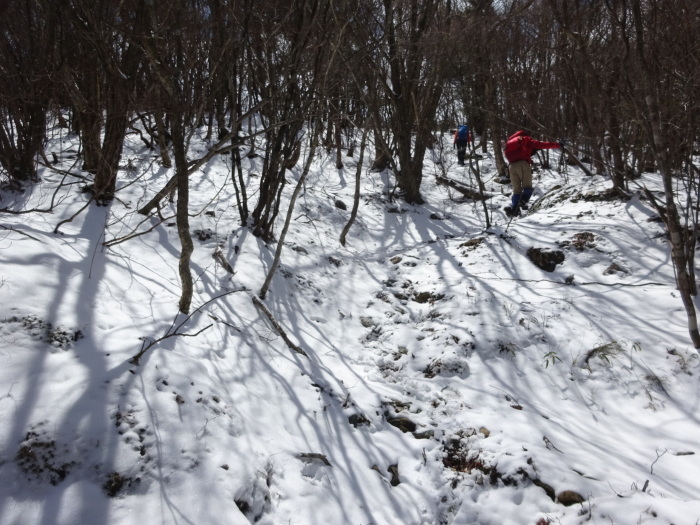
[(510, 386)]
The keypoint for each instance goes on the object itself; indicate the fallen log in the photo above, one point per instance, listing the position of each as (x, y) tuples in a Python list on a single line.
[(468, 192)]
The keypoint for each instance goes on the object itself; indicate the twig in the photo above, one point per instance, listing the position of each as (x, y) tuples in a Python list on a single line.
[(658, 457), (38, 210), (132, 235), (10, 228), (590, 283), (173, 333), (464, 190), (219, 257), (258, 302), (70, 219), (135, 360), (619, 495), (548, 443), (509, 397), (204, 428)]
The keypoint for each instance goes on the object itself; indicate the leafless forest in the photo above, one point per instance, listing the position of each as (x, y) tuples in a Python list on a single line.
[(619, 80)]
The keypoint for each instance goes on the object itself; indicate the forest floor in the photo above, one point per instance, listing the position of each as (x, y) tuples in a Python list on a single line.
[(532, 372)]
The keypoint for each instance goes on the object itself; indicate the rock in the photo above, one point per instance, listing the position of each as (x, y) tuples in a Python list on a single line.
[(367, 322), (203, 235), (340, 205), (545, 486), (395, 260), (569, 497), (581, 241), (335, 261), (447, 366), (313, 457), (485, 431), (358, 420), (546, 260), (424, 297), (613, 269), (472, 243), (402, 423), (426, 434), (394, 471)]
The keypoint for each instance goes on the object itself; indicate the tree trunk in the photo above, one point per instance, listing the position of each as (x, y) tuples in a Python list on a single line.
[(182, 215), (115, 132), (676, 231), (290, 211), (356, 198)]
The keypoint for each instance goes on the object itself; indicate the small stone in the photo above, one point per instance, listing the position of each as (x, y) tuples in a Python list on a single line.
[(394, 471), (402, 423), (613, 269), (485, 431), (422, 297), (544, 486), (569, 497), (395, 260), (367, 322), (358, 420)]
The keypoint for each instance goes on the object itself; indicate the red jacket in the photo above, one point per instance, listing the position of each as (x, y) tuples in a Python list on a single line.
[(527, 146)]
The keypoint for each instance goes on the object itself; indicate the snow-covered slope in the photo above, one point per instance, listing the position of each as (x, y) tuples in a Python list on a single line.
[(446, 377)]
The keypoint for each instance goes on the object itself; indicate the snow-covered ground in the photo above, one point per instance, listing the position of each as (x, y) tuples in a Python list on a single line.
[(447, 378)]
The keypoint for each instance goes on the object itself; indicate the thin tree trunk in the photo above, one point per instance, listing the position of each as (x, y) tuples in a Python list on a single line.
[(182, 214), (356, 198), (280, 243), (162, 137)]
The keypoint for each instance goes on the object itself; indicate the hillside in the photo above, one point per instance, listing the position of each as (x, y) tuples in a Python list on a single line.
[(439, 375)]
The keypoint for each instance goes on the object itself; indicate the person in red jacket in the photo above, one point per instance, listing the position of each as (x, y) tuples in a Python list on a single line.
[(518, 151)]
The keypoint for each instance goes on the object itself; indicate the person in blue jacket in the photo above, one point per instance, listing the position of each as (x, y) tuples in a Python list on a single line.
[(462, 139)]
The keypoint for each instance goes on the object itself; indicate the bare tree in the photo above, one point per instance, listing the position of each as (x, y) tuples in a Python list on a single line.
[(27, 49), (174, 43), (656, 36), (110, 32), (403, 81), (286, 69)]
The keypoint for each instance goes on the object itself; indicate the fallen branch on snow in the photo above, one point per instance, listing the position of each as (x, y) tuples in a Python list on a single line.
[(464, 190), (175, 332), (258, 302)]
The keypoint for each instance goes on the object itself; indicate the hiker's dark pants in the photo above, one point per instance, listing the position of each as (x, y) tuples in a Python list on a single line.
[(461, 150)]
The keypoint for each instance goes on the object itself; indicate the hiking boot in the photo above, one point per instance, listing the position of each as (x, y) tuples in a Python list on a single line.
[(510, 212)]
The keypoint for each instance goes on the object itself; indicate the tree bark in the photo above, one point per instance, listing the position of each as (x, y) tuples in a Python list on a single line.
[(356, 197)]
